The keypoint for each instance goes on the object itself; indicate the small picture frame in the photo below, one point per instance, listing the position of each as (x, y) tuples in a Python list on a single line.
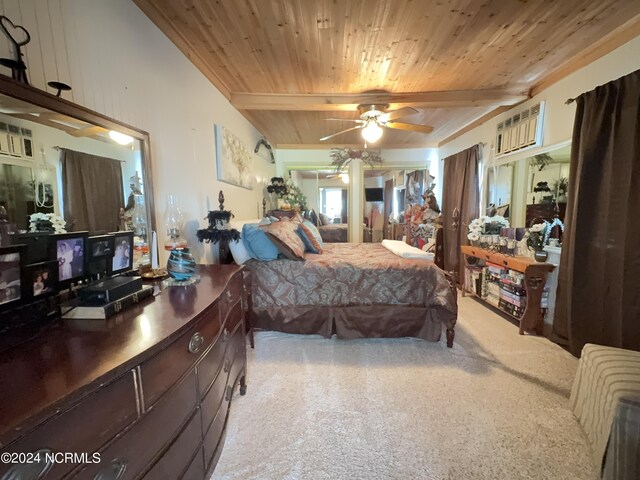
[(40, 280), (11, 282), (100, 246), (69, 251), (123, 253)]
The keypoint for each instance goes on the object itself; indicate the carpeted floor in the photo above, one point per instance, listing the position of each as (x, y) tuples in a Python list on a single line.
[(493, 407)]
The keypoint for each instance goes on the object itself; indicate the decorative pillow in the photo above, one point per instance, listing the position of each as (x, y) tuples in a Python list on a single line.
[(297, 218), (324, 219), (308, 246), (274, 219), (239, 252), (313, 217), (312, 233), (265, 221), (257, 243), (289, 244)]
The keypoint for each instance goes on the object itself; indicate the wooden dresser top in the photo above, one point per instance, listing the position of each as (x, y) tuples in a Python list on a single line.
[(71, 358)]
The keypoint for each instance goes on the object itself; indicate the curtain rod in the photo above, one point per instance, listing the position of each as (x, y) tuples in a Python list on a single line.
[(58, 147), (569, 101)]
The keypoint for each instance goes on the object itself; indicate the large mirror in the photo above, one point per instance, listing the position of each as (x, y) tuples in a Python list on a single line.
[(58, 157), (498, 189)]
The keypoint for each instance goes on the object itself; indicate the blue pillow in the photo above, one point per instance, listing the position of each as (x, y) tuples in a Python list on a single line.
[(308, 246), (258, 243), (315, 231)]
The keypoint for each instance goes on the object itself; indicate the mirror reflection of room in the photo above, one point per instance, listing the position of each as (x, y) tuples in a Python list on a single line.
[(53, 166), (498, 191), (327, 199), (547, 185)]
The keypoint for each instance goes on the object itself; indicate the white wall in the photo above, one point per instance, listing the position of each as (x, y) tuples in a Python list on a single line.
[(120, 64)]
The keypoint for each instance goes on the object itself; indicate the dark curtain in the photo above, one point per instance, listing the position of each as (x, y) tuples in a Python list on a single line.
[(345, 205), (598, 297), (92, 191), (460, 194), (388, 207)]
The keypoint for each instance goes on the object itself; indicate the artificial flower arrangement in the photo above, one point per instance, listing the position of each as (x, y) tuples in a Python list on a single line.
[(47, 222), (486, 225), (535, 236)]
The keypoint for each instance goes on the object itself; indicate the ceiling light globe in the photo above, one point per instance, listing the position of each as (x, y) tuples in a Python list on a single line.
[(120, 138), (372, 132), (345, 178)]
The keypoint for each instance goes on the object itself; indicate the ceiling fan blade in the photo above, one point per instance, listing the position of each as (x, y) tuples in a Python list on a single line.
[(401, 112), (345, 120), (409, 127), (340, 133)]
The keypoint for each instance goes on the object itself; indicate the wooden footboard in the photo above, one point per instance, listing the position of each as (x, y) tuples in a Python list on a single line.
[(452, 277)]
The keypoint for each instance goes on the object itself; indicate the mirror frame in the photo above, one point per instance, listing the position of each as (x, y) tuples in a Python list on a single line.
[(44, 99)]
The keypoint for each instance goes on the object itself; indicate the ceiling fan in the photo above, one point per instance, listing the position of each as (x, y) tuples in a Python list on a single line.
[(375, 117)]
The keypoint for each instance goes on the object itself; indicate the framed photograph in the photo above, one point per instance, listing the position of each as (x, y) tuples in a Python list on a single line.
[(233, 159), (100, 246), (122, 253), (40, 279), (69, 249), (11, 286)]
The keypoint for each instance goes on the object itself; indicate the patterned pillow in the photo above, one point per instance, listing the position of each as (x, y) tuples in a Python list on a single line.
[(308, 246), (324, 219), (289, 243), (312, 233)]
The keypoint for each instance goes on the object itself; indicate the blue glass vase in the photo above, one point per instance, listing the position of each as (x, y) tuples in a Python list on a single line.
[(181, 265)]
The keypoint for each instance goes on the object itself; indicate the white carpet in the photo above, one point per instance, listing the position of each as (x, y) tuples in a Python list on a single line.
[(493, 407)]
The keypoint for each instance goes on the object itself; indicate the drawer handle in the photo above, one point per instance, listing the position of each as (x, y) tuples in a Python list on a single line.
[(225, 335), (227, 395), (196, 342), (113, 471), (227, 365), (37, 469)]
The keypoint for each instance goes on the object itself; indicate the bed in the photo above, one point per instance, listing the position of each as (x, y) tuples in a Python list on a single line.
[(353, 291), (333, 232)]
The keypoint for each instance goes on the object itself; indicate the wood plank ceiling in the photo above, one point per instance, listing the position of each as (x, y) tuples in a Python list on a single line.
[(287, 65)]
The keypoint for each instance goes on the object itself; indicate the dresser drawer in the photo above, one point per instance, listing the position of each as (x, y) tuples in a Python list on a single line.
[(234, 317), (196, 467), (177, 458), (231, 295), (237, 355), (137, 447), (164, 369), (213, 399), (213, 361), (213, 436), (85, 427)]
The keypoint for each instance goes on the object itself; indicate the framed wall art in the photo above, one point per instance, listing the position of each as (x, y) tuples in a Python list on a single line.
[(233, 159)]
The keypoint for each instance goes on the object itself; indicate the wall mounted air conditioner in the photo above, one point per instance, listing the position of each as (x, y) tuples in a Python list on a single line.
[(520, 131)]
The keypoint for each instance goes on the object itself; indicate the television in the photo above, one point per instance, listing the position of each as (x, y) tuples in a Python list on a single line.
[(123, 252), (69, 250), (374, 194)]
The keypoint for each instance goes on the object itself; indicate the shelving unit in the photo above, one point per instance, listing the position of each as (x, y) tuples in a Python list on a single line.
[(515, 285)]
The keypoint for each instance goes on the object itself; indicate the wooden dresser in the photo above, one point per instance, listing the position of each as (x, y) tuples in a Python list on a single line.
[(146, 392)]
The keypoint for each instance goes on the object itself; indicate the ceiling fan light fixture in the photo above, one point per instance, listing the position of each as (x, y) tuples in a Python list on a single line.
[(372, 132), (344, 177)]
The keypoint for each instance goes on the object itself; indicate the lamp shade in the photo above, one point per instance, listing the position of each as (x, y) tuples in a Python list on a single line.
[(372, 132)]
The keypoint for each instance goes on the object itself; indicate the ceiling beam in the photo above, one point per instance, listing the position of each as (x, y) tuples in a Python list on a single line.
[(348, 102), (358, 146), (477, 122)]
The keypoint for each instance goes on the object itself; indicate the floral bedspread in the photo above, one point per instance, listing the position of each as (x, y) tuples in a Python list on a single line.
[(349, 274)]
